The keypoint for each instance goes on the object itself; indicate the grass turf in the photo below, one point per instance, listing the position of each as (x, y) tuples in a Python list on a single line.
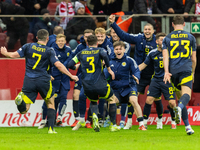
[(31, 138)]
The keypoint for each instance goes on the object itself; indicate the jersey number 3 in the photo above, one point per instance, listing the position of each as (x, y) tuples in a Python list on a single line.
[(91, 63), (186, 44), (38, 60)]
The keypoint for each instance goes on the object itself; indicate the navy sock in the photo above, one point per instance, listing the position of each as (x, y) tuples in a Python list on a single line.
[(130, 111), (112, 113), (171, 113), (44, 111), (75, 108), (101, 108), (146, 111), (51, 118), (123, 111), (183, 101), (22, 107), (82, 104), (159, 108), (89, 116), (185, 116), (94, 107), (140, 119)]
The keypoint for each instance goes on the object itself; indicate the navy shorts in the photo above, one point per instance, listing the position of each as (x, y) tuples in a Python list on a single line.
[(95, 93), (143, 83), (125, 99), (182, 78), (78, 85), (158, 87), (33, 86)]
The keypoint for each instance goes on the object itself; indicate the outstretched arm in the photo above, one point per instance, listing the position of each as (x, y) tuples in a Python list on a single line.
[(167, 75), (64, 70), (9, 54), (142, 66)]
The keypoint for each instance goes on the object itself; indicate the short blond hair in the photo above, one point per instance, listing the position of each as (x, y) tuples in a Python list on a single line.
[(100, 30), (60, 36)]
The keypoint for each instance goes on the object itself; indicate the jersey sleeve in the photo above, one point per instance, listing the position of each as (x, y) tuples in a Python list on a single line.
[(164, 43), (106, 73), (130, 38), (134, 68), (147, 59), (22, 51), (53, 57), (194, 46), (104, 56)]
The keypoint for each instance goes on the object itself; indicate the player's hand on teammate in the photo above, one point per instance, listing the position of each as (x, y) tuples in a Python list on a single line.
[(136, 79), (111, 73), (167, 77), (77, 66), (112, 18), (52, 78), (3, 50), (75, 78)]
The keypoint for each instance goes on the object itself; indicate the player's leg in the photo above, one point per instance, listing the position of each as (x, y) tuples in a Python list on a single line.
[(76, 94), (101, 110), (172, 104), (184, 112), (159, 110), (44, 115), (62, 105), (123, 114), (134, 101), (147, 109), (82, 109), (130, 115)]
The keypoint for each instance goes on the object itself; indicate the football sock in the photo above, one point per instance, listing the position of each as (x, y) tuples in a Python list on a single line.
[(183, 101), (82, 103), (123, 111), (89, 116), (22, 107), (140, 120), (50, 118), (112, 113), (75, 109), (171, 113), (130, 110), (44, 111), (185, 116), (101, 108), (146, 111), (159, 108), (94, 107)]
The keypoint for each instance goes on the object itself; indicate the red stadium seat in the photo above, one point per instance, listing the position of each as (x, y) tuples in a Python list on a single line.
[(52, 8), (5, 94), (52, 1)]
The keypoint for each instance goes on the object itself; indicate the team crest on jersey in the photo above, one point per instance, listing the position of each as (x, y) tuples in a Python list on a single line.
[(68, 54), (56, 95), (75, 85), (148, 92), (124, 64)]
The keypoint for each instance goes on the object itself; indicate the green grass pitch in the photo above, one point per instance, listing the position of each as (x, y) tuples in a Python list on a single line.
[(31, 138)]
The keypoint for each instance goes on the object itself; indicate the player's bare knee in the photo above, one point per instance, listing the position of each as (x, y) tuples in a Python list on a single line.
[(112, 99), (150, 100), (172, 103), (76, 94)]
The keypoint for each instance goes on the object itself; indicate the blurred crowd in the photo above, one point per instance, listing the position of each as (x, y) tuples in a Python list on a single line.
[(17, 28)]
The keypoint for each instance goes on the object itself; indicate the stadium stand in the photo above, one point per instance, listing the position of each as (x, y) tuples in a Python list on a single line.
[(52, 7)]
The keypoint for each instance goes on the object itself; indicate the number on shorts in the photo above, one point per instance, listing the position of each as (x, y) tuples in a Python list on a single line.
[(171, 91), (161, 64)]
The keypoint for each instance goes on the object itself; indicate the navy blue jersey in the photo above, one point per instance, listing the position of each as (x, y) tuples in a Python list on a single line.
[(180, 45), (123, 69), (61, 79), (91, 64), (142, 47), (52, 39), (155, 57), (39, 58)]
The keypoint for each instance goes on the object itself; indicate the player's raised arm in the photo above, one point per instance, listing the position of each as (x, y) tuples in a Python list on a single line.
[(9, 54)]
